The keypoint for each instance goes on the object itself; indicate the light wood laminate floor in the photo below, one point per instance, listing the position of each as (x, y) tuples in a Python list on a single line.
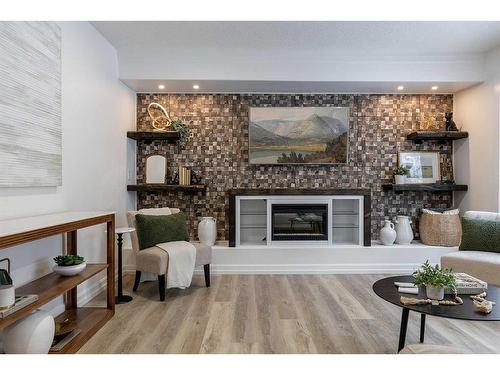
[(275, 314)]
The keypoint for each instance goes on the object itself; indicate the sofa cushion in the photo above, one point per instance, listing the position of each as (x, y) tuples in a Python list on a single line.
[(480, 235), (203, 253), (131, 223), (155, 229), (481, 264)]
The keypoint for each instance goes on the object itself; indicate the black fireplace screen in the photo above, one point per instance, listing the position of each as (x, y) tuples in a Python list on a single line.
[(299, 222)]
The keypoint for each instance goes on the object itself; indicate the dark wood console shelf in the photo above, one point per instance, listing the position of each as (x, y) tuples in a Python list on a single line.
[(433, 188), (88, 319), (442, 136), (165, 187), (169, 136)]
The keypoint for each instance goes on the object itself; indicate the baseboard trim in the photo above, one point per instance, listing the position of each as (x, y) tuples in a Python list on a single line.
[(308, 269)]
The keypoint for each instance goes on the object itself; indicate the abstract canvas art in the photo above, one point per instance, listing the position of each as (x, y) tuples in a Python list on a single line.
[(30, 104), (298, 135)]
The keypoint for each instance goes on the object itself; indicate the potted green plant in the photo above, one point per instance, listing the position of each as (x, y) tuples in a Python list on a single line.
[(69, 265), (435, 279), (400, 174), (182, 128)]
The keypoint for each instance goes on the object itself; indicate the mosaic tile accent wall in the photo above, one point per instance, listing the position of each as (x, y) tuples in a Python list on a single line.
[(218, 150)]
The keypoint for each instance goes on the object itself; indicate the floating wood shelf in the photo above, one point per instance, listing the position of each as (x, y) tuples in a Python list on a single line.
[(442, 136), (436, 188), (166, 187), (169, 136), (49, 287)]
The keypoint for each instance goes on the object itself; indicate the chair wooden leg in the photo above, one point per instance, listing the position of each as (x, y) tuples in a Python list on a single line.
[(137, 280), (161, 286), (206, 269)]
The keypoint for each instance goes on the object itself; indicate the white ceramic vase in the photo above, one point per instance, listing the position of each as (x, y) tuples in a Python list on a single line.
[(435, 293), (400, 179), (404, 233), (207, 230), (387, 233), (69, 270), (31, 335)]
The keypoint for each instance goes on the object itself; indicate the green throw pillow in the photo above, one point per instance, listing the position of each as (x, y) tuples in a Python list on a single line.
[(480, 235), (155, 229)]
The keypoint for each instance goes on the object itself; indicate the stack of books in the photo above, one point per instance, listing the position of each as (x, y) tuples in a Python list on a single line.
[(466, 284), (21, 301), (184, 176)]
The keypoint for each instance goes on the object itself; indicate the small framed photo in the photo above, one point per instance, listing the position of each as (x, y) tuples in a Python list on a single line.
[(424, 166)]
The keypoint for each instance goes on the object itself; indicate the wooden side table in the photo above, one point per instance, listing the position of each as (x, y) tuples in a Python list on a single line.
[(120, 298)]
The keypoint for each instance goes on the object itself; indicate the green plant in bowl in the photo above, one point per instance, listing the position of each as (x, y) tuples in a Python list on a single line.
[(68, 260)]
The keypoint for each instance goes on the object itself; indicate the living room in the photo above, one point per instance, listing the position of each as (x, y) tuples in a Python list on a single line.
[(245, 185)]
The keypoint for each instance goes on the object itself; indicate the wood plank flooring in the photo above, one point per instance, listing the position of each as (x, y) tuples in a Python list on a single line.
[(274, 314)]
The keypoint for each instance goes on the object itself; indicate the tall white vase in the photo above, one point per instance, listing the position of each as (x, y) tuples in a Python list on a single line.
[(404, 233), (387, 233), (31, 335), (207, 230)]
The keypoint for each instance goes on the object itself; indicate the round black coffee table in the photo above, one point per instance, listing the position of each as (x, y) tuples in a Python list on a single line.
[(385, 289)]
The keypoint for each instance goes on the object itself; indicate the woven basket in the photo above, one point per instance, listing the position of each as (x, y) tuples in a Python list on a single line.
[(440, 230)]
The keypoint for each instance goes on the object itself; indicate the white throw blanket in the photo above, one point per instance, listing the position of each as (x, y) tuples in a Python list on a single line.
[(181, 260)]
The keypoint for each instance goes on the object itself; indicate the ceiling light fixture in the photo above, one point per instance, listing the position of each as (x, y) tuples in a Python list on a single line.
[(434, 88), (401, 88), (161, 87), (196, 87)]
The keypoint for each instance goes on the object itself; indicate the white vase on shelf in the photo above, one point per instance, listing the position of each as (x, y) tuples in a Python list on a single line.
[(32, 335), (400, 179), (404, 233), (387, 233), (207, 230)]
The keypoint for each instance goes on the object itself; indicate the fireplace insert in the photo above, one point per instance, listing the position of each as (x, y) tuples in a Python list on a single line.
[(299, 222)]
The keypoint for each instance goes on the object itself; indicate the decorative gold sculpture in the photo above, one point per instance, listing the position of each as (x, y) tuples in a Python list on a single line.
[(428, 122), (162, 120)]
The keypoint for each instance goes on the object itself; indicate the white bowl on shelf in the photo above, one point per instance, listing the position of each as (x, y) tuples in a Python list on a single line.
[(69, 270)]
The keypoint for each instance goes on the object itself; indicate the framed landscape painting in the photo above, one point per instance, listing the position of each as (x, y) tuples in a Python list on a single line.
[(298, 135)]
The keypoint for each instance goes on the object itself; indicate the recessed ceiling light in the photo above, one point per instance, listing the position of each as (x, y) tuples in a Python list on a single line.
[(401, 88), (196, 87), (161, 87), (434, 88)]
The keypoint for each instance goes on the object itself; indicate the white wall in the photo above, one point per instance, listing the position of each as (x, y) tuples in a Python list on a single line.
[(97, 110), (476, 159)]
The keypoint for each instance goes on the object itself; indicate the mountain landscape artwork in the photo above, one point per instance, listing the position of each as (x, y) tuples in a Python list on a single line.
[(298, 135)]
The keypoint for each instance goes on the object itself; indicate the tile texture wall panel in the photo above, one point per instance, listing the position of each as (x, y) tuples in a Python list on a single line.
[(30, 104), (218, 150)]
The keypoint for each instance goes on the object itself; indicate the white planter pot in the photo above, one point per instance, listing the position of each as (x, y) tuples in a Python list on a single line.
[(404, 233), (69, 270), (31, 335), (387, 233), (434, 292), (400, 179), (207, 230)]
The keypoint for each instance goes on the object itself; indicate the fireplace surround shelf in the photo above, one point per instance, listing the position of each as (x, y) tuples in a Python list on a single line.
[(298, 217)]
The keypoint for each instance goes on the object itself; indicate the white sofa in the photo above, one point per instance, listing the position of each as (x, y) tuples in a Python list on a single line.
[(481, 264)]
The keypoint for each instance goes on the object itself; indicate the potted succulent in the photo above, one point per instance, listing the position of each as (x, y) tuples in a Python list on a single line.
[(69, 265), (435, 279), (400, 174)]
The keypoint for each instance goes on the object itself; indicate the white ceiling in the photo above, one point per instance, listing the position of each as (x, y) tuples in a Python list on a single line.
[(328, 52)]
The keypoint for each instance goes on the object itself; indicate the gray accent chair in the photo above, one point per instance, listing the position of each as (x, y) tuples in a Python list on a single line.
[(484, 265), (155, 260)]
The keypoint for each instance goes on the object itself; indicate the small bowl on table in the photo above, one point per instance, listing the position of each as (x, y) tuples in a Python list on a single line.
[(69, 270)]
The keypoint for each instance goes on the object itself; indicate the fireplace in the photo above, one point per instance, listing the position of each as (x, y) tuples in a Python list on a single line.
[(299, 222)]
